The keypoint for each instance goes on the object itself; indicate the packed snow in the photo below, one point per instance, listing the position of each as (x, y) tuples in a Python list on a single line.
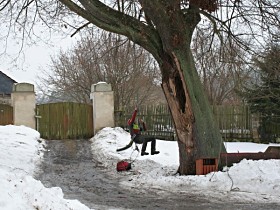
[(22, 150)]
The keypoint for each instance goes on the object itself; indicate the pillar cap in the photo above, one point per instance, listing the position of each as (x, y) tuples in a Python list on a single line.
[(23, 87), (101, 87)]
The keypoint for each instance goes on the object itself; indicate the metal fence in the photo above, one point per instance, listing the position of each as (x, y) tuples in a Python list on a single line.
[(235, 122), (157, 118)]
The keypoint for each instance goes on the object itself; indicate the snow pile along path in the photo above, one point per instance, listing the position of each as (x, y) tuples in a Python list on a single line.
[(248, 180), (20, 154)]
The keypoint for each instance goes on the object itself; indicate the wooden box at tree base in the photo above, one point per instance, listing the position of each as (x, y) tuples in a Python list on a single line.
[(206, 165)]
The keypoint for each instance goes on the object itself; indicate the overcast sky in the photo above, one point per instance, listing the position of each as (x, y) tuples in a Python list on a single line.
[(33, 58)]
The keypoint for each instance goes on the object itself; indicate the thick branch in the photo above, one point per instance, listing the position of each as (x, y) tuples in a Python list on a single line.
[(111, 20)]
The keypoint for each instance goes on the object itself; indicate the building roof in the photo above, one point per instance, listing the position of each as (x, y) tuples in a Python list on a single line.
[(6, 84)]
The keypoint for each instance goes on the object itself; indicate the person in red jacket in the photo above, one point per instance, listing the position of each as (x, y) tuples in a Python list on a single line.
[(135, 128)]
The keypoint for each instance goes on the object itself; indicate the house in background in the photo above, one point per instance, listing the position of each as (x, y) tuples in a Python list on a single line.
[(6, 88)]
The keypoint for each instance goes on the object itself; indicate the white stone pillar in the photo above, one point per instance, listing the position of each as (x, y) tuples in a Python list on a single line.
[(24, 104), (103, 106)]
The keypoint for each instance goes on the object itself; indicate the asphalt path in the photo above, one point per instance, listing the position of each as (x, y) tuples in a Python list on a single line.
[(71, 165)]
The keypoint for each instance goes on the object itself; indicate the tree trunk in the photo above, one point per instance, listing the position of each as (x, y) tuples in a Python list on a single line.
[(167, 36), (197, 132)]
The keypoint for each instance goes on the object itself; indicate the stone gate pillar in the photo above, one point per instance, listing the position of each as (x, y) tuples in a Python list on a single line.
[(103, 106), (24, 104)]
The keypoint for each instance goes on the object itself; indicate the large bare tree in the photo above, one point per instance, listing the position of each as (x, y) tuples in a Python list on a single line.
[(107, 57), (165, 29)]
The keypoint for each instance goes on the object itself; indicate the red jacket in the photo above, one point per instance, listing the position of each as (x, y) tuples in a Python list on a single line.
[(135, 127)]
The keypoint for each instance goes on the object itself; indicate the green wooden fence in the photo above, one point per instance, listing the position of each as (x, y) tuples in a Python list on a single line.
[(65, 120), (6, 114)]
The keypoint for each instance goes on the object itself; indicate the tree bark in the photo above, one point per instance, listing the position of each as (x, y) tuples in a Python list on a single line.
[(197, 133)]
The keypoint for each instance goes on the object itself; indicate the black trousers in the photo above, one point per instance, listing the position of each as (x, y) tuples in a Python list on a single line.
[(144, 139)]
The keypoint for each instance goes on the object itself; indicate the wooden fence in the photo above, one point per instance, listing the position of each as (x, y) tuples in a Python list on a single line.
[(6, 114), (64, 120), (74, 120)]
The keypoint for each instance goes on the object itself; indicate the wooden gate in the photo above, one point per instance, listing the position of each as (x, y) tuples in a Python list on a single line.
[(65, 120), (6, 114)]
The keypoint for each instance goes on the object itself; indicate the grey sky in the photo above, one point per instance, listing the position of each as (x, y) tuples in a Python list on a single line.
[(32, 59)]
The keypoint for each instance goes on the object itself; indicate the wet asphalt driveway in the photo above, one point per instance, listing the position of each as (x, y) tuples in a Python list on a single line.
[(70, 165)]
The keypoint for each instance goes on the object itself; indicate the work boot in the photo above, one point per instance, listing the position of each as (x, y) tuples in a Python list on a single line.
[(154, 152), (144, 153)]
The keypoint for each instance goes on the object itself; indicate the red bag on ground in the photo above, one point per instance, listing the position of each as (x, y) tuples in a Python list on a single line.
[(123, 166)]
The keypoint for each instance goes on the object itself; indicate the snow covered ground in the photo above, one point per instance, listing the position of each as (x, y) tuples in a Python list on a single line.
[(256, 181), (21, 152)]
